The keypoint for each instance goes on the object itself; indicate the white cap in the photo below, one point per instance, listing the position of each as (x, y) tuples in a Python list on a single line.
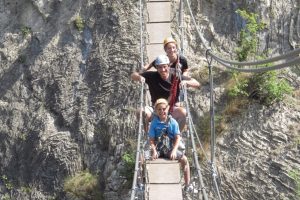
[(162, 60)]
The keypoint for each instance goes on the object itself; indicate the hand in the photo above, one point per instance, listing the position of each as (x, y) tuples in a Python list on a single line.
[(183, 83), (173, 154), (154, 155)]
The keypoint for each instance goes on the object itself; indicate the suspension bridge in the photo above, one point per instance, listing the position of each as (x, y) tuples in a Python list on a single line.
[(162, 179)]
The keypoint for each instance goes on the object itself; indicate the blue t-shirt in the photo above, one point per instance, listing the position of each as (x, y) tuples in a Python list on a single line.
[(158, 127)]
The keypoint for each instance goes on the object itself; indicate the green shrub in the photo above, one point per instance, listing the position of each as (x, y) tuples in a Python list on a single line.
[(295, 174), (79, 23), (238, 86), (7, 183), (248, 41), (25, 30), (268, 88), (129, 165), (83, 185), (6, 197), (265, 87)]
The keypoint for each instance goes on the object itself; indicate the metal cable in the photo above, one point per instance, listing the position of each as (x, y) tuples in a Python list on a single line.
[(292, 53), (141, 35), (226, 63), (212, 126), (196, 161), (181, 26), (194, 21), (293, 57), (137, 158), (291, 62)]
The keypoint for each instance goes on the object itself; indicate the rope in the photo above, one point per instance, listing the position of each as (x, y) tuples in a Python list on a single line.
[(174, 86)]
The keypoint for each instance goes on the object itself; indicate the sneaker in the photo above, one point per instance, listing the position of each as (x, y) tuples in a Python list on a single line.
[(190, 189)]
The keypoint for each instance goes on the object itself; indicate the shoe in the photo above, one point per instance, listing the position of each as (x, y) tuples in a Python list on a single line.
[(190, 189)]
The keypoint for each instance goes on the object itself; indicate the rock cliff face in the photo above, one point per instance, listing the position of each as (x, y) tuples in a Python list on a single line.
[(65, 94)]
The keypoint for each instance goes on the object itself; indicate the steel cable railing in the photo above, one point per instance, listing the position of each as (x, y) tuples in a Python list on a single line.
[(227, 63), (140, 131)]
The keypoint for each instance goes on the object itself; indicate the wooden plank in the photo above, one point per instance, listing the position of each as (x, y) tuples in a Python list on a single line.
[(165, 192), (158, 31), (154, 50), (158, 0), (161, 161), (159, 11), (164, 173)]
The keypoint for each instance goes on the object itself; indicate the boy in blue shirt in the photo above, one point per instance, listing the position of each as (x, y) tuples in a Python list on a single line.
[(165, 137)]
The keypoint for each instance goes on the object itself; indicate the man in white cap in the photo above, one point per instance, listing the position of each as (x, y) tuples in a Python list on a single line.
[(160, 83), (176, 59)]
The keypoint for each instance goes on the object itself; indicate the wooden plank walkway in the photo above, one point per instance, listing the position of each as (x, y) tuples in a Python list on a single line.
[(164, 180), (163, 174), (158, 27)]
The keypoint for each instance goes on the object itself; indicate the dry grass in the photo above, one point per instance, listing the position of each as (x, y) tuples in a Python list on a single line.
[(201, 75), (235, 107)]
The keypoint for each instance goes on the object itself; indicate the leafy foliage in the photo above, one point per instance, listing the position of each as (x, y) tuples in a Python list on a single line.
[(83, 185), (7, 183), (239, 85), (267, 87), (295, 174), (79, 23), (248, 36), (129, 164), (25, 31)]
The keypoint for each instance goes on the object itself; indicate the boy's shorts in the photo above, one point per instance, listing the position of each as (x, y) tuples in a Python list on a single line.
[(179, 154)]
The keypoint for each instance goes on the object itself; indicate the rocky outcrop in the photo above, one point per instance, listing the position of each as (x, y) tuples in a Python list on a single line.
[(256, 157), (63, 92)]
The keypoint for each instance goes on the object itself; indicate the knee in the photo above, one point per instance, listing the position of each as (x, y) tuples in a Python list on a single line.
[(184, 161), (179, 113)]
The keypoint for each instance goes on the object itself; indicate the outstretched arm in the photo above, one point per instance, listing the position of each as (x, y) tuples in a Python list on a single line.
[(137, 77), (149, 66), (191, 82)]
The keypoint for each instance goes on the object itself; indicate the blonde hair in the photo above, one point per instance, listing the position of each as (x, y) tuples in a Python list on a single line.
[(160, 101)]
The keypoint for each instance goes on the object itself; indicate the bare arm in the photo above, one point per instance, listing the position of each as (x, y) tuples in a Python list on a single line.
[(175, 147), (153, 148), (149, 66), (191, 82), (137, 77)]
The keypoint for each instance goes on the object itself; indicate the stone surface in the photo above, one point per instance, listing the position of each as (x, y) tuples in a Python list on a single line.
[(66, 99)]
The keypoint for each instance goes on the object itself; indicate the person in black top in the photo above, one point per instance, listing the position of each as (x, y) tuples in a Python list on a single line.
[(170, 47), (160, 83)]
